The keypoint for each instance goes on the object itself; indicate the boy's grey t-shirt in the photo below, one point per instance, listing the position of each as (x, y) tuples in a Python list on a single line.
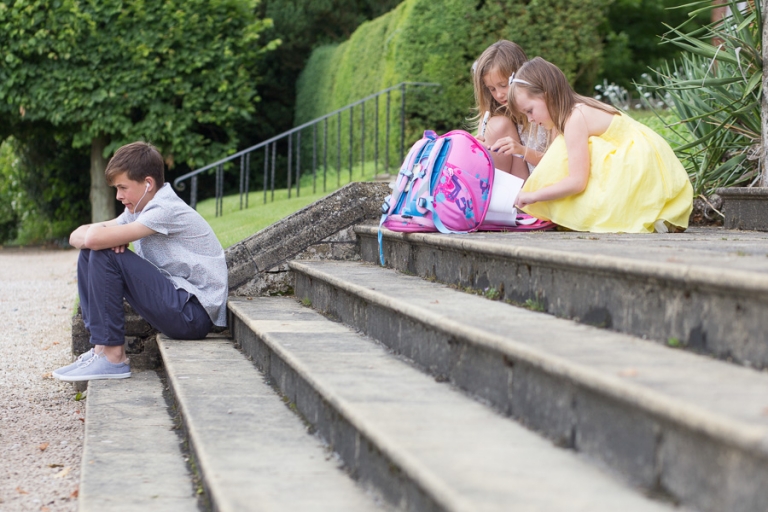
[(185, 249)]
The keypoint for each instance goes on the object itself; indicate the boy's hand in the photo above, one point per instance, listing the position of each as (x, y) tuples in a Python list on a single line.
[(120, 248)]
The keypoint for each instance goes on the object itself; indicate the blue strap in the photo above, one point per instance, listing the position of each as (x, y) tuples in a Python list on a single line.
[(397, 195), (438, 223), (381, 239)]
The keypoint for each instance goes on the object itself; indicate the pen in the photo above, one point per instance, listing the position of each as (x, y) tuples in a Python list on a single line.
[(484, 124)]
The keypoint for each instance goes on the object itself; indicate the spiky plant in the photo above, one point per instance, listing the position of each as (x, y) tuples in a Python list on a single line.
[(715, 90)]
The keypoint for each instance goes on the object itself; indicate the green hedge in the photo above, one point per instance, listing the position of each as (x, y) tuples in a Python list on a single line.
[(431, 41)]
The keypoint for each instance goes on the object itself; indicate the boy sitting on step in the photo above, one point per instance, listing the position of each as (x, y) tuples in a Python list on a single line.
[(176, 280)]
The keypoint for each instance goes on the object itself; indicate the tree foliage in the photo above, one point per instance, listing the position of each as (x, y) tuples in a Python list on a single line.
[(633, 32), (301, 25), (178, 73)]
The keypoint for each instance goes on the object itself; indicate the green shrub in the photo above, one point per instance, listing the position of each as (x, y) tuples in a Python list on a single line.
[(437, 42), (633, 32), (9, 192)]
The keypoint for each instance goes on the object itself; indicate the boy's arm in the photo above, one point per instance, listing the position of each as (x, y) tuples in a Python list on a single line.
[(77, 237), (108, 235)]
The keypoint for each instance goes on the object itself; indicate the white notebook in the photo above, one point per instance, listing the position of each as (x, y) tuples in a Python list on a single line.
[(504, 193)]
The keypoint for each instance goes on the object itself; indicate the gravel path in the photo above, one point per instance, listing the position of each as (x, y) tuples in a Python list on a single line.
[(41, 423)]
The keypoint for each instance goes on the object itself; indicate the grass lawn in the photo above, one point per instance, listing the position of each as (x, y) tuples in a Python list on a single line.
[(236, 224)]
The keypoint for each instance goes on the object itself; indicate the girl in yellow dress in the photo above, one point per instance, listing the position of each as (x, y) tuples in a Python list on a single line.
[(604, 172)]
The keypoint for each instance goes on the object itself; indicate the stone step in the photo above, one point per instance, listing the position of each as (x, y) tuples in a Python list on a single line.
[(705, 289), (132, 457), (423, 444), (673, 422), (252, 452)]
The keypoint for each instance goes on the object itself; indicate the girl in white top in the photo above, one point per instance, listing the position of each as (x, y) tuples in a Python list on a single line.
[(490, 79)]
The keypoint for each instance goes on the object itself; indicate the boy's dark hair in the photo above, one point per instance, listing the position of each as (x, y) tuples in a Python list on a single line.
[(138, 160)]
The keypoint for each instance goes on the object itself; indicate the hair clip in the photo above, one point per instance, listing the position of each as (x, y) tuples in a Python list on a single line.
[(513, 80)]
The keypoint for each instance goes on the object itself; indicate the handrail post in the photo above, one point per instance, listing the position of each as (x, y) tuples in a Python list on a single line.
[(351, 130), (274, 156), (220, 190), (386, 141), (325, 152), (242, 179), (314, 158), (290, 162), (193, 194), (376, 138), (266, 166), (338, 151), (247, 178), (298, 163)]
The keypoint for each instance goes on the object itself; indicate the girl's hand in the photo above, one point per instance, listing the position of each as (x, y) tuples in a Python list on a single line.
[(508, 146), (524, 199)]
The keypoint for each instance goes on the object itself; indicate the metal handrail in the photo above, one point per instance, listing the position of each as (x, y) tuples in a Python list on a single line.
[(244, 154)]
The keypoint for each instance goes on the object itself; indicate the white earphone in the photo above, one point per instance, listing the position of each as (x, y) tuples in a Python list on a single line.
[(146, 189)]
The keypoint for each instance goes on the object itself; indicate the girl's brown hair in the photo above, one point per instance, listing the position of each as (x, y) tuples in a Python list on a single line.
[(504, 57), (542, 79)]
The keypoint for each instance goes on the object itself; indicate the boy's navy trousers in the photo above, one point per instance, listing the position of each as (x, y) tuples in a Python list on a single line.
[(105, 277)]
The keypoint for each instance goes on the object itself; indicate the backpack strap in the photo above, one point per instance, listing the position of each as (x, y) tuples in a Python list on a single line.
[(427, 184), (393, 199), (436, 219)]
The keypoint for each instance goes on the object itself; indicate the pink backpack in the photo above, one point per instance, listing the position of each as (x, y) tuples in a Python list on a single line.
[(443, 185)]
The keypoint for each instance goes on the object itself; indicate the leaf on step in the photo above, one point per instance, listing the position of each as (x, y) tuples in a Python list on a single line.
[(48, 375), (55, 465), (43, 446), (75, 493), (64, 472), (21, 491)]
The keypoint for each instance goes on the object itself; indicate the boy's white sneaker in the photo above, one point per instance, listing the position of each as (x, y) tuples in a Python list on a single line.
[(97, 367)]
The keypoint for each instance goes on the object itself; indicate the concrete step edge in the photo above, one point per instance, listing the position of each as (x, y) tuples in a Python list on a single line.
[(132, 458), (348, 497), (729, 281), (440, 492), (727, 431), (445, 496)]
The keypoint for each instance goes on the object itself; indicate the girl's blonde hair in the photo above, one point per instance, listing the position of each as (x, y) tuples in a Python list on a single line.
[(542, 79), (504, 57)]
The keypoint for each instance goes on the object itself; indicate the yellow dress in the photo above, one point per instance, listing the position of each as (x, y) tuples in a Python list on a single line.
[(635, 179)]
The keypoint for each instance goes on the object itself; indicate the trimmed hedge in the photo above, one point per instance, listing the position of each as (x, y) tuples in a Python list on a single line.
[(430, 41)]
